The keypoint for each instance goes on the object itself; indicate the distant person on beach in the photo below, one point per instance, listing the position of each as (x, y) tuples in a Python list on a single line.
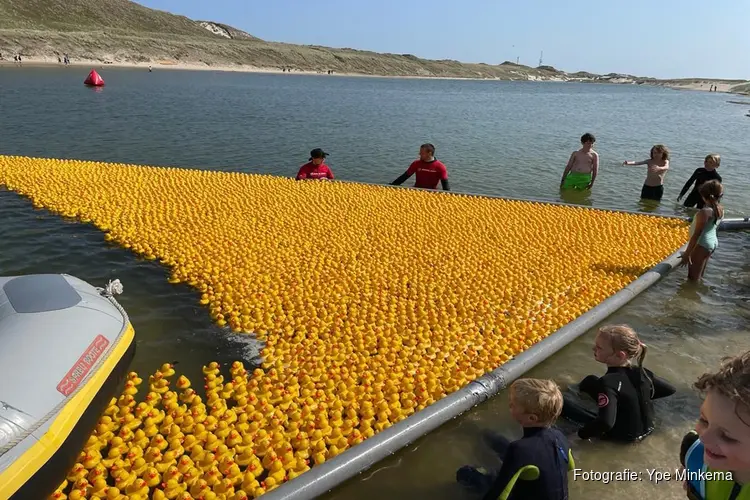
[(316, 167), (623, 396), (535, 404), (721, 439), (703, 240), (657, 166), (429, 170), (583, 166), (702, 174)]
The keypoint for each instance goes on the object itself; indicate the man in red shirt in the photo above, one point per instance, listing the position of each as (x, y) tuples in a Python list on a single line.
[(429, 170), (315, 168)]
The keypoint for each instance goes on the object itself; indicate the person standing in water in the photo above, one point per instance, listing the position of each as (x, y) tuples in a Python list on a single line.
[(316, 167), (657, 166), (703, 241), (702, 174), (624, 394), (583, 166), (429, 170)]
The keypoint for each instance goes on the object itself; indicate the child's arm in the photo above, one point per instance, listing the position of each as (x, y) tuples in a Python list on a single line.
[(607, 403), (662, 388), (511, 465), (567, 168), (700, 220), (594, 170), (633, 163), (659, 169), (688, 184)]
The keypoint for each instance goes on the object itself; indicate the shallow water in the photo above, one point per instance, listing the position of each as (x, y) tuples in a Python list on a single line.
[(499, 138)]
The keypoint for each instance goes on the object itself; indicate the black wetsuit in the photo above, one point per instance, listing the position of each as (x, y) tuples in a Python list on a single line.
[(541, 446), (624, 399), (700, 176)]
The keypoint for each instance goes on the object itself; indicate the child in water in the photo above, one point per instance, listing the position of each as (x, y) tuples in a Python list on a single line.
[(657, 166), (583, 166), (535, 404), (721, 440), (703, 241), (702, 174), (624, 395)]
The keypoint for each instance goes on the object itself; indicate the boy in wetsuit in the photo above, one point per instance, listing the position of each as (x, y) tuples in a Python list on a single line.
[(624, 395), (535, 404), (583, 166), (721, 440), (701, 175)]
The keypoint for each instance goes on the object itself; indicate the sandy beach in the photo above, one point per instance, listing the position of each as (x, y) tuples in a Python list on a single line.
[(180, 66), (703, 85)]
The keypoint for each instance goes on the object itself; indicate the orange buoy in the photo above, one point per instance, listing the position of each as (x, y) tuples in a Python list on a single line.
[(94, 79)]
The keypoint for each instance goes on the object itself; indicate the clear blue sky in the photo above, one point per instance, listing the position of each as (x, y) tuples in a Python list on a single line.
[(659, 38)]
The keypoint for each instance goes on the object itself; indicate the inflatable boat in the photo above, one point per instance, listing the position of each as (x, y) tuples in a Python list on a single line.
[(64, 348)]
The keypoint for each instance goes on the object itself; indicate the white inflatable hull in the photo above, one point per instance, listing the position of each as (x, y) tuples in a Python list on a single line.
[(64, 348)]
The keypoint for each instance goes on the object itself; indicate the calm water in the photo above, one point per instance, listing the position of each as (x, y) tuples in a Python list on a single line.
[(498, 138)]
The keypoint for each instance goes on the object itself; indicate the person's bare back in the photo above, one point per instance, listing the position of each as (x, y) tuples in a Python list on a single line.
[(582, 162)]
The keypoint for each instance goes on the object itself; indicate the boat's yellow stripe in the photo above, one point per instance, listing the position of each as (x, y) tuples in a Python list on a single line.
[(25, 466)]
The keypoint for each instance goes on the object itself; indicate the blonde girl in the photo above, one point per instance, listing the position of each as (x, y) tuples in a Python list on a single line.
[(623, 395), (701, 175), (703, 240)]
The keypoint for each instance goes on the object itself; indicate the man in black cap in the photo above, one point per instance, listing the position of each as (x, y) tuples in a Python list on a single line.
[(315, 168)]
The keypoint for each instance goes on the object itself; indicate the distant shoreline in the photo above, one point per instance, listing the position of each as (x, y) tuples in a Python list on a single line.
[(695, 84)]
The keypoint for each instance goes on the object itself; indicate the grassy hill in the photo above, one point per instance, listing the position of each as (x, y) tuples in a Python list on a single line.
[(112, 31), (123, 31), (87, 15)]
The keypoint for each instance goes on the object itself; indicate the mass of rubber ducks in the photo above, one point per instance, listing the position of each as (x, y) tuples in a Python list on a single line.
[(372, 302)]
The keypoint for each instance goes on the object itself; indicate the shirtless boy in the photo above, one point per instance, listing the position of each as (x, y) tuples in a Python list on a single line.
[(583, 166)]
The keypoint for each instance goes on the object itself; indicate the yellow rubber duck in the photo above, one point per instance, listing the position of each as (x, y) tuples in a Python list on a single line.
[(159, 443), (172, 488), (98, 488), (152, 477), (206, 461), (197, 453), (222, 430), (76, 494), (172, 474), (134, 378), (240, 495), (301, 466), (212, 442), (158, 495), (138, 487), (223, 453), (126, 434), (187, 395), (245, 453), (199, 488), (167, 460), (166, 424), (224, 487), (167, 370), (130, 388), (90, 459), (191, 476), (113, 493), (159, 386), (152, 455), (184, 463), (212, 476), (139, 465), (211, 368)]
